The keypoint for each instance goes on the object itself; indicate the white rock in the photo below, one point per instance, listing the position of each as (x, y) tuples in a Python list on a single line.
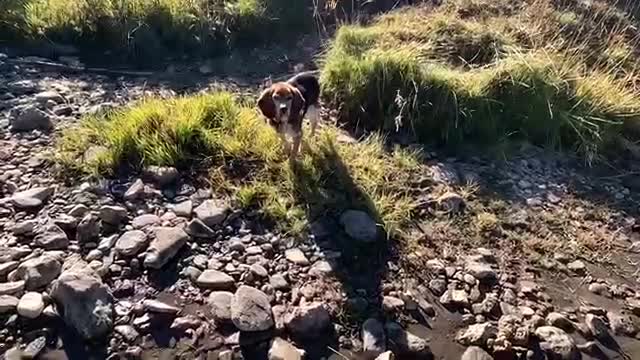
[(31, 305)]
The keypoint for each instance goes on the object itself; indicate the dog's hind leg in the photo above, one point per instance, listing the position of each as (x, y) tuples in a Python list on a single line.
[(314, 117)]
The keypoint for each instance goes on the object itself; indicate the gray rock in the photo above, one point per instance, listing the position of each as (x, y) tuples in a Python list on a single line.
[(359, 225), (407, 344), (66, 222), (438, 286), (88, 229), (113, 214), (392, 304), (560, 321), (220, 302), (162, 175), (131, 243), (49, 95), (211, 212), (387, 355), (135, 191), (24, 228), (145, 220), (165, 246), (51, 237), (7, 267), (622, 324), (107, 243), (278, 282), (321, 268), (482, 272), (476, 353), (29, 117), (31, 198), (250, 310), (600, 289), (37, 272), (160, 307), (259, 271), (477, 334), (12, 288), (128, 332), (454, 298), (283, 350), (8, 304), (198, 229), (557, 343), (183, 209), (79, 211), (215, 280), (85, 301), (296, 256), (34, 348), (373, 337), (597, 327), (31, 305), (577, 266), (308, 321)]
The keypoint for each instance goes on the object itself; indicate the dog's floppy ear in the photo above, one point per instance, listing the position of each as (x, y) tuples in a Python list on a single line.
[(266, 105), (297, 102)]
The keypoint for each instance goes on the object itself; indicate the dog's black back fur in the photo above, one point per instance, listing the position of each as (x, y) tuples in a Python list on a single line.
[(309, 86)]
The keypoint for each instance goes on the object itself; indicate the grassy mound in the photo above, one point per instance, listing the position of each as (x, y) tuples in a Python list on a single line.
[(245, 159), (555, 73), (144, 30)]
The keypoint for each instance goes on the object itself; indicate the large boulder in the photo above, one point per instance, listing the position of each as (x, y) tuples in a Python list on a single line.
[(251, 310), (85, 301), (220, 302), (29, 117), (31, 198)]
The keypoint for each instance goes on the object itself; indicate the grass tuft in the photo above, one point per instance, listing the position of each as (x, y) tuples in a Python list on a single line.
[(246, 159), (503, 76)]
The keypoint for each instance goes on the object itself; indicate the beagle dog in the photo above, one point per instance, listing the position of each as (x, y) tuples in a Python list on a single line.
[(285, 104)]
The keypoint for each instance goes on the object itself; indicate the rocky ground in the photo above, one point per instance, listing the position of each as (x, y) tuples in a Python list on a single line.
[(153, 266)]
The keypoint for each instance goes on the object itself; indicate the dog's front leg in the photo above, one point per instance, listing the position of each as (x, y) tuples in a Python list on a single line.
[(297, 137)]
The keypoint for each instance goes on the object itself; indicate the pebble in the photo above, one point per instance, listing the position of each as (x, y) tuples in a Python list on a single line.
[(31, 305)]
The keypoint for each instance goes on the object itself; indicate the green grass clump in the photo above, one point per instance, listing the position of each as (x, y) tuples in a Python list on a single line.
[(246, 160), (478, 80), (145, 30)]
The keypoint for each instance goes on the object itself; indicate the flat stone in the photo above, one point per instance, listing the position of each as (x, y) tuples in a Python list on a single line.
[(199, 229), (131, 243), (145, 220), (359, 226), (31, 305), (220, 302), (8, 303), (283, 350), (12, 288), (560, 321), (477, 334), (211, 212), (31, 198), (156, 306), (29, 117), (557, 343), (278, 282), (259, 270), (113, 214), (296, 256), (6, 268), (165, 246), (51, 237), (251, 310), (37, 272), (24, 228), (577, 266), (135, 191), (215, 280), (183, 209)]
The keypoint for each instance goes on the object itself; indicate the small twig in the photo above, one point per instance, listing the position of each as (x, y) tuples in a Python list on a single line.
[(337, 353)]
